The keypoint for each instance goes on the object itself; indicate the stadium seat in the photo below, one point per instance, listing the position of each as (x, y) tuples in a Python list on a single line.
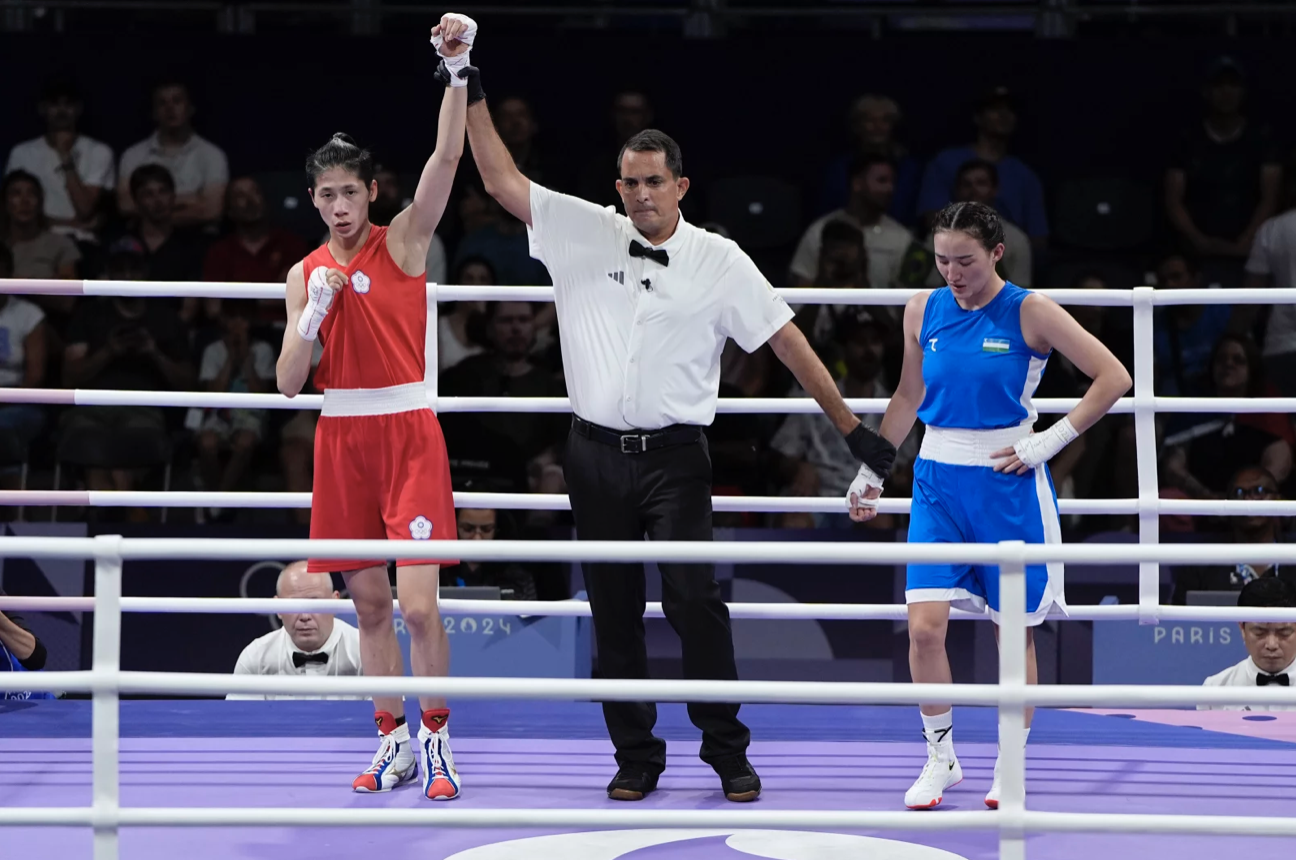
[(759, 212), (1104, 214)]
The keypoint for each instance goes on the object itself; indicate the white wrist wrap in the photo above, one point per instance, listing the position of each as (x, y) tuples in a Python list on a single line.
[(319, 298), (864, 479), (456, 63), (1039, 448)]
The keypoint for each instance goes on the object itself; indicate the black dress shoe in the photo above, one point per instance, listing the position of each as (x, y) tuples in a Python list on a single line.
[(738, 779), (631, 784)]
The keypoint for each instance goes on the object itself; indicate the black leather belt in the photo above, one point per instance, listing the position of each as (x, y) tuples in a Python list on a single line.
[(638, 441)]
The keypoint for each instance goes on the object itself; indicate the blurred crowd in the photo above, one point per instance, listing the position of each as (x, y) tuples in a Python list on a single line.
[(168, 208)]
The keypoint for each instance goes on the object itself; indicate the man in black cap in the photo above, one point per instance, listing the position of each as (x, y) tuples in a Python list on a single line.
[(1226, 176)]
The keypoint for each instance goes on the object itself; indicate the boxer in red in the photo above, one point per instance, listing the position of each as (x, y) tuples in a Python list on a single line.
[(381, 470)]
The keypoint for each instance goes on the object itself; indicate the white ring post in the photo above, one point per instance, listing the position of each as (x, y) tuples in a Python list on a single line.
[(104, 743), (1012, 711), (1145, 441)]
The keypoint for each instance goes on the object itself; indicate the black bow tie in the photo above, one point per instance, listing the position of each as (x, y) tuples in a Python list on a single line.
[(657, 255), (300, 659), (1263, 680)]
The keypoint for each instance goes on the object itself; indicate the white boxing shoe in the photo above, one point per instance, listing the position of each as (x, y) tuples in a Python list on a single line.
[(393, 764), (440, 779), (992, 796), (942, 771)]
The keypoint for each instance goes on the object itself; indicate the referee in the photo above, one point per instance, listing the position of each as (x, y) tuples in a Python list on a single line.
[(645, 304)]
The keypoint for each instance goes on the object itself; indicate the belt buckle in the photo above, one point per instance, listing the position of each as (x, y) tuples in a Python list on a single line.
[(633, 444)]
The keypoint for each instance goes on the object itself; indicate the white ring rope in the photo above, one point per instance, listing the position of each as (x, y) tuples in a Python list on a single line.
[(700, 552), (724, 405), (581, 609), (655, 690), (796, 295), (461, 817), (556, 502)]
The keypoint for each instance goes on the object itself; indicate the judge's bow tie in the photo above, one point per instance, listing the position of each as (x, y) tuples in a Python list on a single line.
[(1263, 680), (300, 659), (657, 255)]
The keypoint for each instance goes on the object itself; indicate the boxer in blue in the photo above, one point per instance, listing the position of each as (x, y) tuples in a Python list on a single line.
[(974, 353)]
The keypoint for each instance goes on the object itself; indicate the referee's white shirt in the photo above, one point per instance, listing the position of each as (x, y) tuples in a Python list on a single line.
[(640, 358), (1244, 675), (271, 654)]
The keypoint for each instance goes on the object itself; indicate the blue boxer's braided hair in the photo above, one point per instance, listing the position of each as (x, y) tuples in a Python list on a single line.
[(977, 220)]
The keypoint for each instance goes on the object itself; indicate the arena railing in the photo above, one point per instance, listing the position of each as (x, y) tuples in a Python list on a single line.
[(106, 682)]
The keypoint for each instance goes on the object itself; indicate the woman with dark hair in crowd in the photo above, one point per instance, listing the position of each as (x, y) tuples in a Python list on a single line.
[(460, 324), (38, 251), (1202, 452), (1250, 484)]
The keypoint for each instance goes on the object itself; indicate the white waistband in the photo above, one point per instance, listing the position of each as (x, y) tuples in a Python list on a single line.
[(960, 447), (352, 402)]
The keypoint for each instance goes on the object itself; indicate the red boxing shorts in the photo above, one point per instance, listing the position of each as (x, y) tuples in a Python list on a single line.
[(384, 476)]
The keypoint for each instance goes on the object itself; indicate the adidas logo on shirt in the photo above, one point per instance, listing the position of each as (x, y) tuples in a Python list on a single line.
[(619, 277)]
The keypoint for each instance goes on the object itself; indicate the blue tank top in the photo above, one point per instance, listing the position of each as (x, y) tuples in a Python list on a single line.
[(979, 372)]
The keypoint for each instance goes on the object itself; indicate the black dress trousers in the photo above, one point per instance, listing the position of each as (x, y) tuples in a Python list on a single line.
[(664, 493)]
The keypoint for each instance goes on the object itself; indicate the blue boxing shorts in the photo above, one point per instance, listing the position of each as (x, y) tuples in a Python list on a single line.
[(958, 497)]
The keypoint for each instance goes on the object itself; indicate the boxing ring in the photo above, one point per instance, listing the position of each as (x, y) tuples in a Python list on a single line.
[(532, 751)]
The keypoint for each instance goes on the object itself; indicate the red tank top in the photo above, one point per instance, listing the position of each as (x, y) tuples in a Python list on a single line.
[(375, 334)]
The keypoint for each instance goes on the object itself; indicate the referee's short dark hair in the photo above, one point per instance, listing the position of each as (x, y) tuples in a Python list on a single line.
[(1265, 592), (652, 140)]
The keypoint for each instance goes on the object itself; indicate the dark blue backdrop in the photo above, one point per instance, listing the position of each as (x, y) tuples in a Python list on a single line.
[(736, 106)]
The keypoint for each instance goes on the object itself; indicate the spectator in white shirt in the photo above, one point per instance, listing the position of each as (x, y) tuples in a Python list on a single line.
[(461, 325), (73, 169), (312, 643), (872, 185), (978, 182), (1272, 646), (1273, 264), (235, 363), (198, 166), (813, 458), (23, 352), (297, 444)]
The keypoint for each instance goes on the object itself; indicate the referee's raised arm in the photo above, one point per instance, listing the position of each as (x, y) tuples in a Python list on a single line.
[(499, 174)]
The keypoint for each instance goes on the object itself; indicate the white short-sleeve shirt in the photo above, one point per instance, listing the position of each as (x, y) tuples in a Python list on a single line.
[(18, 318), (816, 440), (885, 243), (94, 166), (271, 654), (1244, 675), (217, 353), (641, 342), (194, 166), (1274, 253)]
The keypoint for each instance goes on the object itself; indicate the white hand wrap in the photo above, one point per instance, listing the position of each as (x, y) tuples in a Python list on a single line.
[(456, 63), (865, 479), (319, 298), (1039, 448)]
